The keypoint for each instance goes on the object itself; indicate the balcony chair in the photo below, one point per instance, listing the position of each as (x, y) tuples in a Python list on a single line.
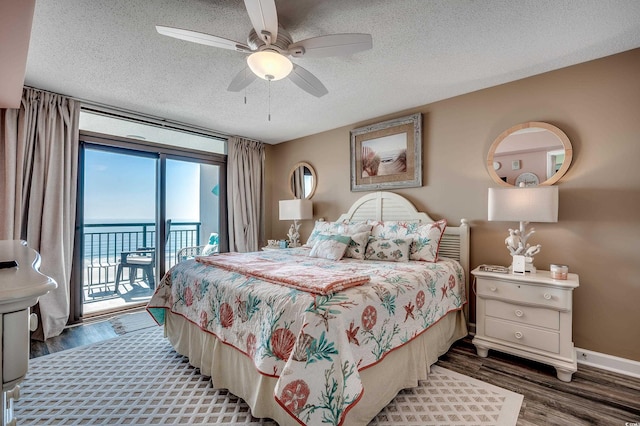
[(142, 258)]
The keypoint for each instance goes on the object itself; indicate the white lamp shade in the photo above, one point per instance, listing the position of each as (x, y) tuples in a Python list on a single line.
[(530, 204), (269, 65), (296, 209)]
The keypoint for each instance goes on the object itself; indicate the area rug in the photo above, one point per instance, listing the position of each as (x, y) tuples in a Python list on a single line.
[(126, 323), (139, 379)]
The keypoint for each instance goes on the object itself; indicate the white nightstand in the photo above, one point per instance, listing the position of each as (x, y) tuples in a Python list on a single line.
[(528, 316), (265, 248), (20, 288)]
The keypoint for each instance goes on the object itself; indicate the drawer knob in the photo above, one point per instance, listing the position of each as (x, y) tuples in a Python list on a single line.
[(519, 335), (33, 322), (547, 296), (493, 288), (13, 393), (519, 313)]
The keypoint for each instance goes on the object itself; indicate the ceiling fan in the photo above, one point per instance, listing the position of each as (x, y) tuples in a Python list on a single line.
[(270, 47)]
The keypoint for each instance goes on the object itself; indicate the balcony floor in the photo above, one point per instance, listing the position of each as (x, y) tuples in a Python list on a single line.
[(101, 298)]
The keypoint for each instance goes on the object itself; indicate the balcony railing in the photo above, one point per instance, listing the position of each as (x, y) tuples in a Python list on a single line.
[(104, 242)]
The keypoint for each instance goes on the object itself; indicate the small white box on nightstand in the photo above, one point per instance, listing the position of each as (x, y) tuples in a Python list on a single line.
[(518, 266)]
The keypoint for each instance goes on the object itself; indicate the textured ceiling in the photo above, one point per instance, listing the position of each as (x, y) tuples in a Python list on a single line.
[(108, 52)]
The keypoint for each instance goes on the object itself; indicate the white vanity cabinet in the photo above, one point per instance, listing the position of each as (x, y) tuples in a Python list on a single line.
[(526, 315), (20, 288)]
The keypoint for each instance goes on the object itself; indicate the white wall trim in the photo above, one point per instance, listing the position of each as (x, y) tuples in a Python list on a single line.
[(628, 367)]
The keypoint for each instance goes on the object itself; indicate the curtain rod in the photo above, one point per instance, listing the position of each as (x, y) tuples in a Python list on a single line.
[(109, 110)]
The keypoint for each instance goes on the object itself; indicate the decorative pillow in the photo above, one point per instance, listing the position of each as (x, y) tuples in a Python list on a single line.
[(351, 228), (346, 228), (212, 245), (358, 245), (393, 228), (426, 241), (323, 227), (209, 249), (330, 246), (392, 250)]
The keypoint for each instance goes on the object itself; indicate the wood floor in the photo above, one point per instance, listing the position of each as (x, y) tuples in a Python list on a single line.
[(593, 397), (72, 337)]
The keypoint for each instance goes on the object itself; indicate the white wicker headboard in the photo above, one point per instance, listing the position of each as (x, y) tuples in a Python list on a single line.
[(391, 206)]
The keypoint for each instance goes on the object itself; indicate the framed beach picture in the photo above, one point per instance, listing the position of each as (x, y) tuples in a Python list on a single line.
[(387, 155)]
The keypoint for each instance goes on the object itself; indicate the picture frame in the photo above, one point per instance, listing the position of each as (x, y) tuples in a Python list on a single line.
[(387, 155)]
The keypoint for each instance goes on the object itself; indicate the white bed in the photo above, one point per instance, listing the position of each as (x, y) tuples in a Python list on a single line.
[(401, 367)]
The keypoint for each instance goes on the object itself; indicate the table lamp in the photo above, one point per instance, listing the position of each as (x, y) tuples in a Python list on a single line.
[(524, 205), (297, 209)]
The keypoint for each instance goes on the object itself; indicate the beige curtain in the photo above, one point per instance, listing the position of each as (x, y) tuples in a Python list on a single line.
[(298, 182), (245, 189), (38, 169)]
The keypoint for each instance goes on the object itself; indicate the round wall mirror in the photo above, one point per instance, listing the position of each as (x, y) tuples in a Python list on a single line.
[(533, 153), (302, 180)]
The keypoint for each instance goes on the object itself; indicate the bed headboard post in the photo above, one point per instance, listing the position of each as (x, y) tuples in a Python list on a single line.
[(455, 244)]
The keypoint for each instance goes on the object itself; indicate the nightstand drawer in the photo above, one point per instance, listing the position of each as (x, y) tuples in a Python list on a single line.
[(547, 318), (15, 351), (524, 293), (523, 335)]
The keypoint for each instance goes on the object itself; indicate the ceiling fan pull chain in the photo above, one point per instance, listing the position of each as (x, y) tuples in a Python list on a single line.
[(245, 89), (269, 99)]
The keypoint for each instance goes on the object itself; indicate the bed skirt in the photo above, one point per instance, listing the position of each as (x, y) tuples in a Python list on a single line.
[(232, 370)]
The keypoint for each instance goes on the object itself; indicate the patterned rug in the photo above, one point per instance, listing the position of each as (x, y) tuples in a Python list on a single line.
[(139, 379)]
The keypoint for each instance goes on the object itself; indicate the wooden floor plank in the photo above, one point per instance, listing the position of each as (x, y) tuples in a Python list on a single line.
[(72, 337)]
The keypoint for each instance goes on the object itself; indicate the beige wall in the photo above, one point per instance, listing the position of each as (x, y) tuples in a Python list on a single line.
[(16, 17), (597, 104)]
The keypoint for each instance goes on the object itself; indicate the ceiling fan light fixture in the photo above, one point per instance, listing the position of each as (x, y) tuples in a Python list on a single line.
[(269, 65)]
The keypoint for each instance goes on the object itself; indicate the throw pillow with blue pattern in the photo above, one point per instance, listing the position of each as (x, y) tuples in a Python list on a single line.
[(426, 241), (389, 250), (358, 245), (330, 246)]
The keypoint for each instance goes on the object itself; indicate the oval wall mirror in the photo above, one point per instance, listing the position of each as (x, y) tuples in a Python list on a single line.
[(534, 153), (302, 180)]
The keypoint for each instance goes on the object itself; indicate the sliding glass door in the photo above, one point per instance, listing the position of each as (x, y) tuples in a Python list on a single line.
[(139, 210), (147, 188), (119, 233), (192, 206)]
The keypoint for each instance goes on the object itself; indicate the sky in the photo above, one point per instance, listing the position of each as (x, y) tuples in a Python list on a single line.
[(121, 188)]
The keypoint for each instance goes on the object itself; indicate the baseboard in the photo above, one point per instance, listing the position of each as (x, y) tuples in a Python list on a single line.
[(625, 366), (628, 367)]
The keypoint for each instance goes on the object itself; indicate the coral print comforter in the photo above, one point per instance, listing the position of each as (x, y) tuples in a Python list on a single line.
[(314, 344)]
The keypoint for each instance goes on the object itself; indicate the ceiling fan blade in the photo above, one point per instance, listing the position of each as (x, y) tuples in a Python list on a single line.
[(264, 19), (331, 45), (307, 81), (202, 38), (244, 78)]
